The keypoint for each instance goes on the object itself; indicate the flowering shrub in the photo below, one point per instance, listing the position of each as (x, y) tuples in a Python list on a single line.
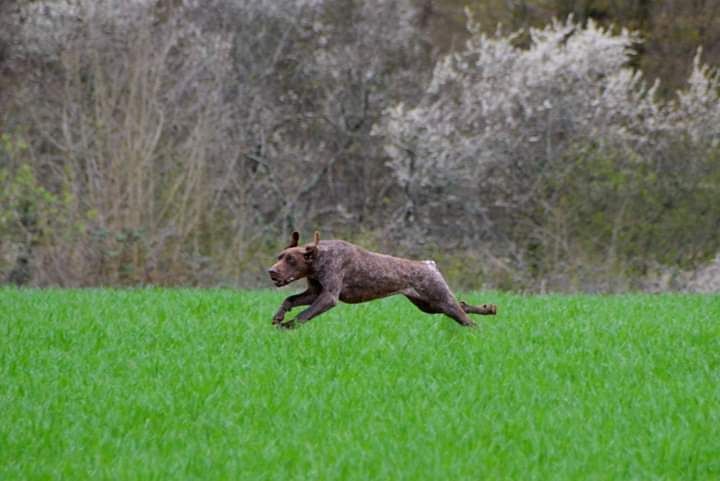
[(499, 102), (545, 149)]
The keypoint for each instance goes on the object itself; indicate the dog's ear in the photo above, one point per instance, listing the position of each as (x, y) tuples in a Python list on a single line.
[(294, 238), (311, 250)]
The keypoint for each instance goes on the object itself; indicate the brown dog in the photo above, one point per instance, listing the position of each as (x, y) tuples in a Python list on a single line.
[(338, 270)]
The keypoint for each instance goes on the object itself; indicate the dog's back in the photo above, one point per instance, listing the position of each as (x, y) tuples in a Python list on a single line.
[(368, 275)]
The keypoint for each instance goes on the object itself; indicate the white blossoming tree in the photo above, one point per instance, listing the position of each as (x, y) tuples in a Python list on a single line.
[(508, 123)]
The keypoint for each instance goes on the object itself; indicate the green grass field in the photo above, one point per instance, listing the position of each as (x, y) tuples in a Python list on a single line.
[(197, 384)]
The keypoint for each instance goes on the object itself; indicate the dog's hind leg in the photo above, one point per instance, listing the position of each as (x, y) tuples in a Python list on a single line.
[(423, 305), (452, 309), (431, 294), (447, 306)]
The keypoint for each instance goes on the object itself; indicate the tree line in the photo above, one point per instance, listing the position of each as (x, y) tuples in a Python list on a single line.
[(177, 142)]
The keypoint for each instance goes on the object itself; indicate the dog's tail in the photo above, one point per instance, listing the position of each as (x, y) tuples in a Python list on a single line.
[(483, 309)]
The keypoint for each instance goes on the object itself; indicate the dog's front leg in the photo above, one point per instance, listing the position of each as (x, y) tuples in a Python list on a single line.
[(302, 299), (329, 287), (324, 302)]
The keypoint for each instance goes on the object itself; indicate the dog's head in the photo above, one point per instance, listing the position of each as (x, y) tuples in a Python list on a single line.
[(294, 262)]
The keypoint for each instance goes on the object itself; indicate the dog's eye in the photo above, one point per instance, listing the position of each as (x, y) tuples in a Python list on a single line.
[(291, 260)]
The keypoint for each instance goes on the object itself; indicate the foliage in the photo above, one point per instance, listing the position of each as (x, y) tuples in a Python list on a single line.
[(211, 128), (31, 217), (671, 30), (556, 148), (180, 140)]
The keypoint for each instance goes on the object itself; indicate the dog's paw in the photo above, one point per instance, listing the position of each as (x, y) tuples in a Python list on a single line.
[(286, 325)]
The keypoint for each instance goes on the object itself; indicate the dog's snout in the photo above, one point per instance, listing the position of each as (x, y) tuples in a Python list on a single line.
[(272, 271)]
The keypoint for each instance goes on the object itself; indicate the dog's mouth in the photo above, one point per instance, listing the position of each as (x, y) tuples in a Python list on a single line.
[(281, 282)]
